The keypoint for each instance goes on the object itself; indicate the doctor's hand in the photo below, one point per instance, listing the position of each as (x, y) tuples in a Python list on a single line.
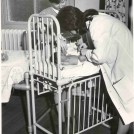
[(83, 51), (81, 46)]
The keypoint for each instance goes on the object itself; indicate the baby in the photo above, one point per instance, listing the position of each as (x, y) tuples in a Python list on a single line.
[(71, 56), (73, 52)]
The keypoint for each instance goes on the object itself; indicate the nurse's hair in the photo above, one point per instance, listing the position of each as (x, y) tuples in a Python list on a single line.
[(55, 1), (72, 18)]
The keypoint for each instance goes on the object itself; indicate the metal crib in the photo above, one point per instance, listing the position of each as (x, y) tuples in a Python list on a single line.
[(86, 103)]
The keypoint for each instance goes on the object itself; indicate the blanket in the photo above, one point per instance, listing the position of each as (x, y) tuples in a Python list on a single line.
[(12, 71)]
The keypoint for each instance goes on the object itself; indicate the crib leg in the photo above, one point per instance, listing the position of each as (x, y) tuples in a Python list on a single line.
[(59, 110), (26, 87), (29, 112), (28, 103), (33, 107)]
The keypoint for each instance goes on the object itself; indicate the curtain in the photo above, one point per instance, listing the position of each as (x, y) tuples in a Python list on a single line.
[(117, 5)]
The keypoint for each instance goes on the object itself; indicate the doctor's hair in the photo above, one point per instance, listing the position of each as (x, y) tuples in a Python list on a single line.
[(55, 1), (72, 18)]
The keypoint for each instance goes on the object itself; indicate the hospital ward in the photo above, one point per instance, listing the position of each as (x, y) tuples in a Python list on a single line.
[(67, 67)]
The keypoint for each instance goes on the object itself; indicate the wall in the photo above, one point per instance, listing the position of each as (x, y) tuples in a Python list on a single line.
[(86, 4)]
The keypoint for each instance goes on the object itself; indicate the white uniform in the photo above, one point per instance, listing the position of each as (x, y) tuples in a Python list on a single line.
[(114, 51)]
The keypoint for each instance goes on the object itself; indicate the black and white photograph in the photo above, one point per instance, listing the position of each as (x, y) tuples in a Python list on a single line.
[(67, 67)]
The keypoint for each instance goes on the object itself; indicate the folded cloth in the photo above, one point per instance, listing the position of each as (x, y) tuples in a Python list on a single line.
[(12, 71)]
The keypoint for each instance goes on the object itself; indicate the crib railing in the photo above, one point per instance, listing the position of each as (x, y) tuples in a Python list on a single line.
[(13, 39), (44, 42), (87, 106)]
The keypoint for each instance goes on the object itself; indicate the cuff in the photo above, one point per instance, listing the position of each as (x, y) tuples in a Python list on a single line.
[(88, 55)]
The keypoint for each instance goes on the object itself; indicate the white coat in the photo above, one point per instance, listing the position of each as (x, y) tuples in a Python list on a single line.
[(114, 52)]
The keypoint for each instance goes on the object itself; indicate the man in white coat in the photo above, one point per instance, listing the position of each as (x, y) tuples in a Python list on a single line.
[(113, 52)]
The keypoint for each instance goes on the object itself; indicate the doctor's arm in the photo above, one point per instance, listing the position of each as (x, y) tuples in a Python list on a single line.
[(101, 52)]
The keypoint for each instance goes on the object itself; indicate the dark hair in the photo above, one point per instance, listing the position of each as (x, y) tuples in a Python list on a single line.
[(55, 1), (72, 18)]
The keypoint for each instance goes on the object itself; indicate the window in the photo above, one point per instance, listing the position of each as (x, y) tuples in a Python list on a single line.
[(15, 13), (19, 10)]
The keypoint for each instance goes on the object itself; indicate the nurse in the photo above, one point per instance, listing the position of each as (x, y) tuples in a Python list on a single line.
[(113, 51)]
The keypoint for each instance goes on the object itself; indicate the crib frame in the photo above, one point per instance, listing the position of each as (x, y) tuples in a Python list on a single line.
[(49, 81)]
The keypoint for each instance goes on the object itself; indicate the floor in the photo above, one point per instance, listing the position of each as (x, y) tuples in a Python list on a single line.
[(14, 116)]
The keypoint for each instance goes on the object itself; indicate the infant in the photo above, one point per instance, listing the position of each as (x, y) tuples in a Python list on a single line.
[(71, 54)]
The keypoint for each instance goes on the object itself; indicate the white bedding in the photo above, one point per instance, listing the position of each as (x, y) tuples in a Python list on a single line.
[(12, 71), (82, 69), (18, 63)]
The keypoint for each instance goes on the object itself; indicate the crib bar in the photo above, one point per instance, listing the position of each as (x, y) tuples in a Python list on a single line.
[(52, 39), (74, 111), (102, 108), (89, 110), (43, 47), (69, 111), (98, 100), (94, 103), (84, 106), (79, 109)]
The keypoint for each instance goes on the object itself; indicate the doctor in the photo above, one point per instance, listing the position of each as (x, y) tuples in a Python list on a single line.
[(113, 52)]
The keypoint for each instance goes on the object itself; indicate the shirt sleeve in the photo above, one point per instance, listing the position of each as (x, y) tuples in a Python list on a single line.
[(101, 30), (102, 48)]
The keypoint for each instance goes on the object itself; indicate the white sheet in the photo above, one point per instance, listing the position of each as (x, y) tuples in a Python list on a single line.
[(82, 69), (12, 71)]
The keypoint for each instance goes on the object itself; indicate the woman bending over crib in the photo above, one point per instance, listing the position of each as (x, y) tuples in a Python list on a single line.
[(113, 52)]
